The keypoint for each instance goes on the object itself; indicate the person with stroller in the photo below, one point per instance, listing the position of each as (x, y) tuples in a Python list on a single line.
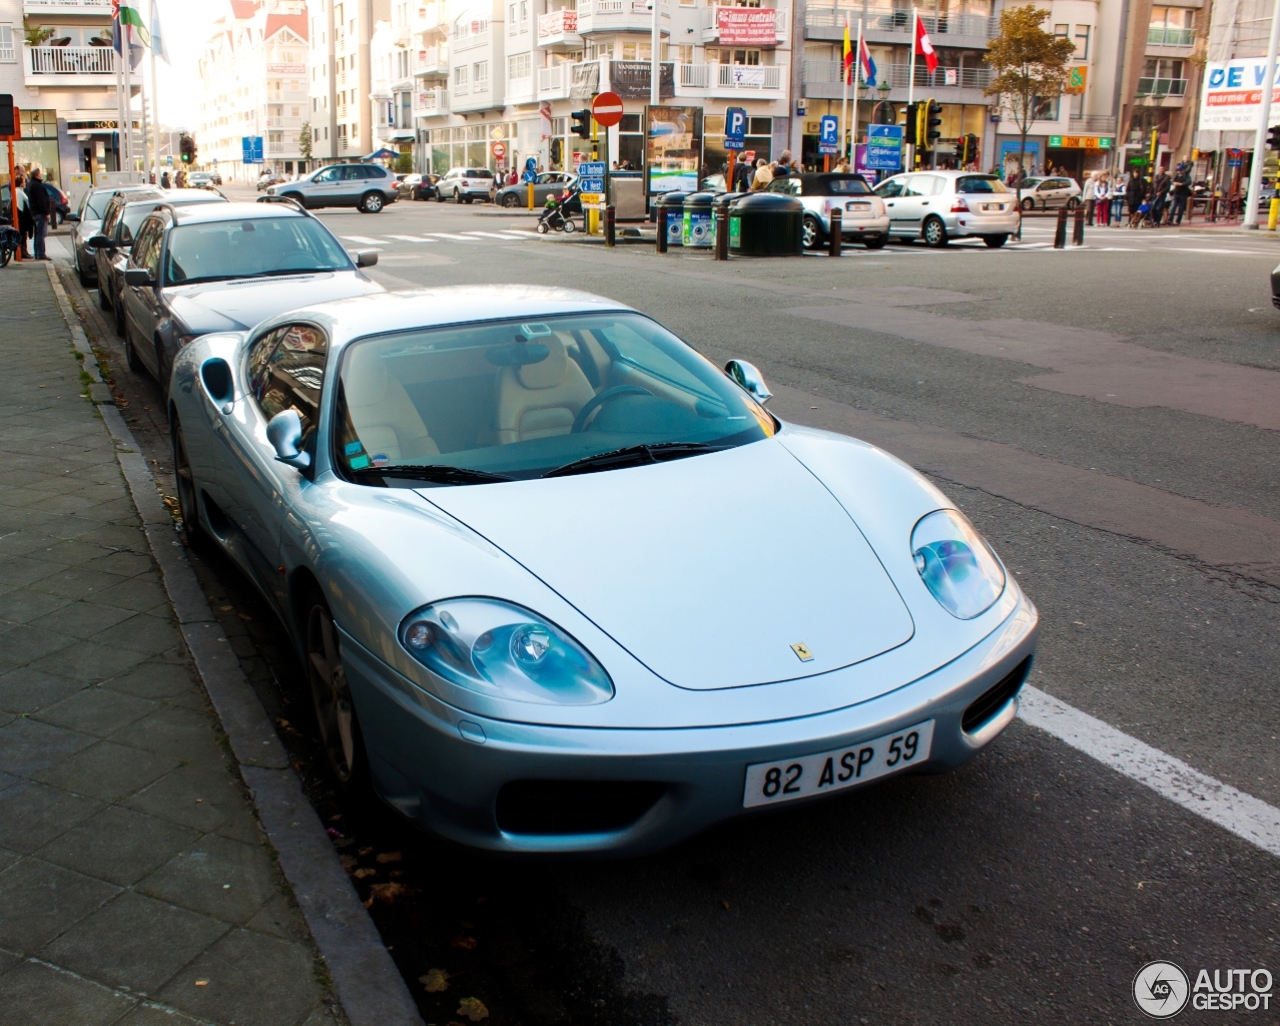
[(557, 215), (1135, 199)]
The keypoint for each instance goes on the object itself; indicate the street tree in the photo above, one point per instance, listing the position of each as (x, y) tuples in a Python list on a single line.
[(304, 140), (1030, 68)]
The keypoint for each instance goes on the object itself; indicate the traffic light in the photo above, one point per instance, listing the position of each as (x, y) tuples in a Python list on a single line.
[(581, 124), (8, 121), (968, 149), (911, 119), (1273, 137), (187, 147), (932, 124)]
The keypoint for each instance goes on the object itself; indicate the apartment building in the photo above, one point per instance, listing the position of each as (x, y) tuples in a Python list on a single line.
[(57, 62), (340, 81), (253, 76)]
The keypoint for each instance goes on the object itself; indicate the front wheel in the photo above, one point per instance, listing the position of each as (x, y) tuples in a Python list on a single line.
[(371, 203), (296, 197), (331, 698), (511, 200), (995, 241), (935, 233), (1028, 204), (542, 228), (186, 486), (6, 254)]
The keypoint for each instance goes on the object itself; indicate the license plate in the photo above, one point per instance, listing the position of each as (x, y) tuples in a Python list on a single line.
[(769, 783), (993, 206), (860, 207)]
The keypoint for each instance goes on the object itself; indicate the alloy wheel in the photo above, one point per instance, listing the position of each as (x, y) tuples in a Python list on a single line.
[(186, 486), (335, 713)]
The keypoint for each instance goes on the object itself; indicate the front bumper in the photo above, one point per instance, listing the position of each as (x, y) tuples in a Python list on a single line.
[(444, 768)]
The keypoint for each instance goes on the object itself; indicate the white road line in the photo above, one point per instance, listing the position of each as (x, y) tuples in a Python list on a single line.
[(489, 235), (410, 238), (1243, 815), (456, 238), (1222, 252), (507, 233), (364, 240), (519, 231)]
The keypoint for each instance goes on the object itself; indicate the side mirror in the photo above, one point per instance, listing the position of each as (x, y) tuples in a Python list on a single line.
[(100, 242), (747, 376), (284, 432), (138, 277), (367, 258), (73, 217)]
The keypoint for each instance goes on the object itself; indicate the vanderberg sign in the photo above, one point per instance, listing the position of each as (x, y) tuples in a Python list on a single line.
[(1232, 97)]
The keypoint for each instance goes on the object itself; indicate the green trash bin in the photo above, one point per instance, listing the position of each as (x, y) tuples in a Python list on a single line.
[(674, 204), (697, 231), (722, 201), (766, 224)]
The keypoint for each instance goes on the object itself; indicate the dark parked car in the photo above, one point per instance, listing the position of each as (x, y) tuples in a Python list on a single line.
[(418, 187), (199, 269), (549, 183), (93, 209), (119, 228), (1275, 288)]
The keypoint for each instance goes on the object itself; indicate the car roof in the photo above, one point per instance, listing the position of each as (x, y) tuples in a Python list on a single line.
[(821, 178), (181, 197), (362, 316), (205, 213)]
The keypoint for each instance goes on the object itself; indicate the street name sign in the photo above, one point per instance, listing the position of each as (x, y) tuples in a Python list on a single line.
[(884, 148)]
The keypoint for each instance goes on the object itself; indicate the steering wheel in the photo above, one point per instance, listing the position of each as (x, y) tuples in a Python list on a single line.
[(595, 402)]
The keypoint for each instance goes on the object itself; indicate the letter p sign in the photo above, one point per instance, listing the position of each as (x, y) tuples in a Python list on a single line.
[(735, 128)]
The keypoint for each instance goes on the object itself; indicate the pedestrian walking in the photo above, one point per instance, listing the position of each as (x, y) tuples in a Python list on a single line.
[(1135, 193), (40, 202), (24, 214), (1090, 196), (1159, 197), (1101, 200), (164, 180), (742, 172), (1181, 193)]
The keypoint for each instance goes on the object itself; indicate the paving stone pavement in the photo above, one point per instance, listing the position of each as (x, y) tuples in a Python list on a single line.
[(136, 886)]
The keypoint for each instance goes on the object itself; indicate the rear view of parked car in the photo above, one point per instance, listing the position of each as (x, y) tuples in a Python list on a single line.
[(465, 184), (865, 218), (938, 206)]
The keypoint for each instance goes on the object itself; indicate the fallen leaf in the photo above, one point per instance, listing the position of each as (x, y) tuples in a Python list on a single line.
[(396, 874), (332, 819), (436, 981), (388, 892), (725, 904), (466, 943), (473, 1009), (202, 983), (244, 616), (284, 723), (365, 851), (360, 874), (226, 609), (390, 856), (349, 863), (369, 903)]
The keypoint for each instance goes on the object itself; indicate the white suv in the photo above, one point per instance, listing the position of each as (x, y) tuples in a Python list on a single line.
[(464, 184), (368, 187)]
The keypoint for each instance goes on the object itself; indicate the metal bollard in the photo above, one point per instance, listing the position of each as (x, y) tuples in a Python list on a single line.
[(722, 232), (662, 229), (1060, 236), (610, 224), (1077, 233), (837, 232), (1273, 214)]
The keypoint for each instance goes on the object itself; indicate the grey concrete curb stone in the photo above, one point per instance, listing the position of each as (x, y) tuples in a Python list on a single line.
[(369, 986)]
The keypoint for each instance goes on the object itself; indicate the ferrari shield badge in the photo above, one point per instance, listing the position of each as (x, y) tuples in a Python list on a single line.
[(802, 651)]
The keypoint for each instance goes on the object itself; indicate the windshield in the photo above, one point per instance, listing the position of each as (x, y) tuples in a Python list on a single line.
[(251, 248), (520, 399), (980, 183), (95, 205), (848, 186)]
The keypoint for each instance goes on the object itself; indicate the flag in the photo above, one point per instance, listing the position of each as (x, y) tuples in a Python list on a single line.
[(924, 47), (868, 65), (128, 27), (157, 37), (848, 55)]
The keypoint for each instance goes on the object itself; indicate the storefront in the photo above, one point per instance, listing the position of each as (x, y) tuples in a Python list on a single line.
[(39, 144), (1079, 155)]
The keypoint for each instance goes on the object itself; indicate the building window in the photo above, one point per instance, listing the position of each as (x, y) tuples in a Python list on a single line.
[(1061, 31), (460, 76), (1172, 26), (518, 66), (480, 74), (1082, 42), (1046, 110), (8, 53), (511, 20), (686, 53), (1163, 77), (727, 56)]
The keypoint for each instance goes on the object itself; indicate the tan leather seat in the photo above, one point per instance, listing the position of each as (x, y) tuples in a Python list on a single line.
[(538, 400), (383, 415)]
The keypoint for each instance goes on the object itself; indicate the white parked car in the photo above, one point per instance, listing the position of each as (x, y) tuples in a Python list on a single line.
[(1046, 193), (465, 184), (938, 206)]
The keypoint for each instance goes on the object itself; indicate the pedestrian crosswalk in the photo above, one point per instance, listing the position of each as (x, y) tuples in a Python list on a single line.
[(501, 235)]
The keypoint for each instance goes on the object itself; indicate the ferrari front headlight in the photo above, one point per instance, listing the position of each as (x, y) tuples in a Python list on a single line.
[(503, 650), (955, 564)]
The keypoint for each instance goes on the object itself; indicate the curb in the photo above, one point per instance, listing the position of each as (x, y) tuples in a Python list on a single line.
[(368, 985)]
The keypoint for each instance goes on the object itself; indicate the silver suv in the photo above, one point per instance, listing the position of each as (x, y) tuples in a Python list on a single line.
[(938, 206), (464, 184), (368, 187)]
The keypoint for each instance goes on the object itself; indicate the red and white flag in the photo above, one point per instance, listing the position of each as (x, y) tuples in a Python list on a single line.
[(924, 47)]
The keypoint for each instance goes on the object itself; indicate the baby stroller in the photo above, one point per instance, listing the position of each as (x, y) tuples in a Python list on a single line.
[(10, 241), (559, 211)]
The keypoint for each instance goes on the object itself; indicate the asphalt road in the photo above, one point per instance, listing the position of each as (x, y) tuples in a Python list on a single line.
[(1107, 417)]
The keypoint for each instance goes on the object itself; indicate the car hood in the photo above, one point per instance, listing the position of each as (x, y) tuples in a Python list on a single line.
[(708, 570), (238, 305)]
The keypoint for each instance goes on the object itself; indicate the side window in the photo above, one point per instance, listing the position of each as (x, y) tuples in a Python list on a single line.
[(917, 185), (352, 172), (142, 243), (151, 258), (327, 175), (889, 189), (113, 215), (286, 371)]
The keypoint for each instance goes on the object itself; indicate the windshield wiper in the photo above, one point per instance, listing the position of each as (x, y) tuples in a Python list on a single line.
[(633, 456), (434, 473)]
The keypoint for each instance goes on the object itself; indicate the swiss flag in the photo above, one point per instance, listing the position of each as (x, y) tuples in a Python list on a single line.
[(924, 47)]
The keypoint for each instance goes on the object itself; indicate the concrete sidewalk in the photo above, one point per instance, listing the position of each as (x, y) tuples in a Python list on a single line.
[(136, 886)]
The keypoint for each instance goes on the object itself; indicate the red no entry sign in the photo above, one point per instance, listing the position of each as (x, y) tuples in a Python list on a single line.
[(499, 150), (607, 109)]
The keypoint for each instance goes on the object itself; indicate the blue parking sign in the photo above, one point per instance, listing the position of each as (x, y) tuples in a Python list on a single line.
[(829, 134), (735, 128)]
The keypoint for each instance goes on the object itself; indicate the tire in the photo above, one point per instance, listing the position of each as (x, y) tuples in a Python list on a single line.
[(131, 355), (1073, 203), (468, 200), (439, 196), (811, 232), (542, 228), (1028, 204), (296, 197), (340, 738), (84, 278), (934, 232), (6, 254), (104, 301), (569, 226), (875, 241), (119, 309), (995, 241), (511, 200), (372, 203), (185, 483), (456, 198)]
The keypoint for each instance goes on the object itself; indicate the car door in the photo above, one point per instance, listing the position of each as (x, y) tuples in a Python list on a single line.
[(913, 206), (325, 187), (286, 370), (355, 183), (139, 300), (890, 190)]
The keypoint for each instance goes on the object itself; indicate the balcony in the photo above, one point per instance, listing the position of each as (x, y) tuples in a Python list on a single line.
[(1162, 87), (434, 60), (470, 40), (63, 8), (284, 122), (711, 24), (730, 79), (1158, 35), (898, 75), (521, 90), (70, 65), (620, 16), (879, 21), (554, 82), (558, 30), (1093, 124), (429, 17), (428, 103)]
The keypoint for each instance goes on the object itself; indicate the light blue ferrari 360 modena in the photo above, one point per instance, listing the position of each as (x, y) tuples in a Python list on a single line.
[(563, 585)]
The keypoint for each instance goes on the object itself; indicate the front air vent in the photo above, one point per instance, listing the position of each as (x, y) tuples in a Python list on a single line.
[(994, 698), (574, 806)]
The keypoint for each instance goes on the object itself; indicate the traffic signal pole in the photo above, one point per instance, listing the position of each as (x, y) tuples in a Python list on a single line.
[(1260, 136)]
